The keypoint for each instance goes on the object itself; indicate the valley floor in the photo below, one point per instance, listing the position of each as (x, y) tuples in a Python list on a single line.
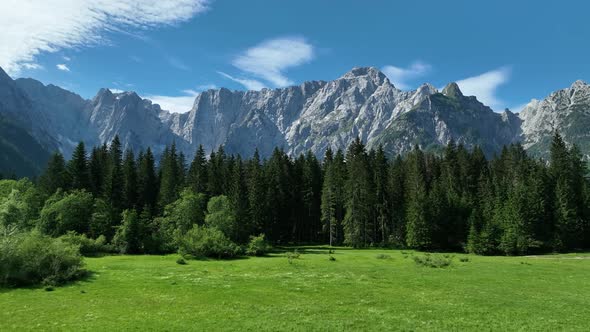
[(357, 291)]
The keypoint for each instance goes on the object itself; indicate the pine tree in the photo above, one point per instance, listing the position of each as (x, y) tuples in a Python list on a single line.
[(169, 177), (55, 176), (333, 196), (358, 222), (418, 229), (197, 175), (147, 182), (238, 196), (256, 193), (114, 181), (130, 178), (396, 189), (97, 170), (380, 181), (78, 168)]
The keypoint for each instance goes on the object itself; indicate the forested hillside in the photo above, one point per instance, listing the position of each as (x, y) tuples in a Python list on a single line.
[(20, 154), (458, 200)]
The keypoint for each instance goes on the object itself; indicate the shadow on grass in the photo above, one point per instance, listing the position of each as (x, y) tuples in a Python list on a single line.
[(86, 276)]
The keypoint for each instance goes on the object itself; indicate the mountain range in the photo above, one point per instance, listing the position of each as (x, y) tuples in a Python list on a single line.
[(312, 116)]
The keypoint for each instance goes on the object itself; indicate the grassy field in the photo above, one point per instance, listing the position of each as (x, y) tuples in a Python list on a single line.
[(358, 291)]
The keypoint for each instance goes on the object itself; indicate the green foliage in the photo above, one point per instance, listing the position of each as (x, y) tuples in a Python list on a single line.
[(88, 246), (221, 216), (202, 242), (66, 212), (433, 260), (28, 258), (383, 256), (258, 246), (129, 236)]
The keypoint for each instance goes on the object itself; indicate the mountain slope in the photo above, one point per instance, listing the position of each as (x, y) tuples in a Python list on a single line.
[(20, 153), (312, 116), (567, 110), (440, 117)]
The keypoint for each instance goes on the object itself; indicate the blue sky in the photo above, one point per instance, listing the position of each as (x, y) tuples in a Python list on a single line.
[(505, 52)]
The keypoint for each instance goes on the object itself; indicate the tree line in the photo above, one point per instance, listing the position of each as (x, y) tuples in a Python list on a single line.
[(456, 199)]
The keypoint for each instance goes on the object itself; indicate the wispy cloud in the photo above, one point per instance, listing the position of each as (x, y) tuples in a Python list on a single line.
[(135, 58), (29, 28), (270, 59), (114, 90), (485, 86), (66, 58), (181, 103), (249, 84), (177, 63), (402, 77), (62, 67)]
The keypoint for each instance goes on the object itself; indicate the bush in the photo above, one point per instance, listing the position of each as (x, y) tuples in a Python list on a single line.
[(464, 259), (181, 261), (383, 256), (258, 246), (201, 242), (292, 255), (33, 258), (434, 261), (88, 246)]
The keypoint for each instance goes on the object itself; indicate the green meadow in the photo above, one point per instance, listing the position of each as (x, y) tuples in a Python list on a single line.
[(360, 290)]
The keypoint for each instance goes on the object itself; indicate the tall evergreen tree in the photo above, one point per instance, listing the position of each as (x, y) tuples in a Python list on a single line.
[(358, 221), (55, 176), (197, 174), (78, 168), (418, 228), (130, 180)]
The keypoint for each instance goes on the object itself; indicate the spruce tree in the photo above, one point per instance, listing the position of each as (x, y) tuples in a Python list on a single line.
[(197, 174), (78, 168), (418, 228), (130, 178), (55, 176), (358, 221), (147, 182)]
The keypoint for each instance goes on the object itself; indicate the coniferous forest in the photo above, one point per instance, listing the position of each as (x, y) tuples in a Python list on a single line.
[(454, 200)]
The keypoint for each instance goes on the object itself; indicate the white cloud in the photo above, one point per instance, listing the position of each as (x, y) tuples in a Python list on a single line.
[(66, 58), (29, 28), (182, 103), (177, 63), (401, 77), (62, 67), (249, 84), (270, 59), (484, 86), (114, 90)]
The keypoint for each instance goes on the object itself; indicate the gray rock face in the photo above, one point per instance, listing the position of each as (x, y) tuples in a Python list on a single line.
[(566, 110), (312, 116)]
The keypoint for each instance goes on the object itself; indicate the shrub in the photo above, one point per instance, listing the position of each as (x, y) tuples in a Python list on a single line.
[(32, 258), (88, 246), (332, 258), (464, 259), (258, 246), (383, 256), (67, 212), (292, 255), (181, 261), (434, 261), (201, 242)]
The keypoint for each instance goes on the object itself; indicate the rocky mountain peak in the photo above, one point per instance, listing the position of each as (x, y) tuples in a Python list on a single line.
[(579, 84), (371, 73), (452, 90)]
